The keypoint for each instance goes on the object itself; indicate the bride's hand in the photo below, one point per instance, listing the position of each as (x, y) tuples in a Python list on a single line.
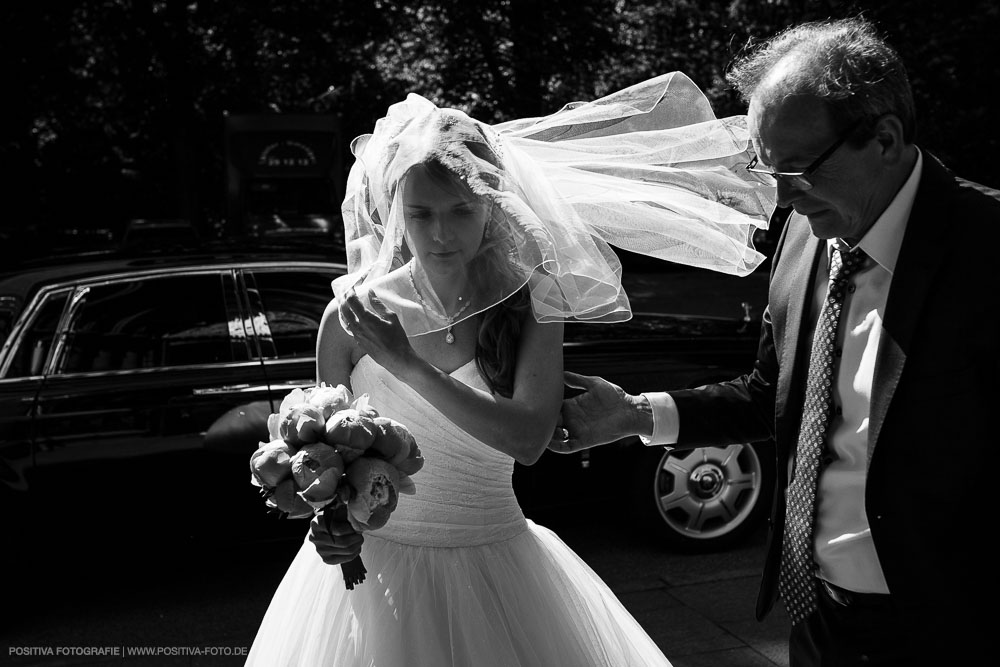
[(336, 541), (378, 332)]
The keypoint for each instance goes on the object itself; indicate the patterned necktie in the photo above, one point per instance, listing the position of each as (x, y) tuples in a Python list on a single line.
[(797, 580)]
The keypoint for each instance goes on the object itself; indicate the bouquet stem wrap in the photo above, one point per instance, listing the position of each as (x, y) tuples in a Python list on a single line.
[(354, 569)]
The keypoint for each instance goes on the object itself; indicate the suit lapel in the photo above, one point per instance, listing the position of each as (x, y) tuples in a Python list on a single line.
[(797, 279), (918, 262)]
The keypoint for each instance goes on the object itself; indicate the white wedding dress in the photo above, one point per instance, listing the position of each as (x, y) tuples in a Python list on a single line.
[(457, 576)]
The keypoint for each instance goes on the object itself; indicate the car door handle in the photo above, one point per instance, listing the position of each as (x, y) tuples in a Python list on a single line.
[(289, 386), (231, 389)]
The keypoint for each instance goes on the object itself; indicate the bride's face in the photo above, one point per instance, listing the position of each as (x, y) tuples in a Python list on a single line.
[(444, 221)]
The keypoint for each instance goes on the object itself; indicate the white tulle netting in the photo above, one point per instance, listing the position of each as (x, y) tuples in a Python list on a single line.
[(649, 169), (457, 577)]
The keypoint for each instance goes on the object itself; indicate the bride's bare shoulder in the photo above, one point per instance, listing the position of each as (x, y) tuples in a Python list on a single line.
[(336, 348)]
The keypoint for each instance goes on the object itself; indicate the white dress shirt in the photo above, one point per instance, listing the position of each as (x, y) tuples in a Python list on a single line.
[(843, 544)]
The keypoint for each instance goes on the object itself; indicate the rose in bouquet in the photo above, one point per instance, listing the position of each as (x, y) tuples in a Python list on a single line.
[(330, 451)]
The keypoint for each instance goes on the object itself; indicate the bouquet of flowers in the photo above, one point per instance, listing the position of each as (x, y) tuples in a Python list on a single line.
[(330, 451)]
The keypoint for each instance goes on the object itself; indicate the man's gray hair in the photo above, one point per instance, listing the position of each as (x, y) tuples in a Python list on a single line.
[(844, 63)]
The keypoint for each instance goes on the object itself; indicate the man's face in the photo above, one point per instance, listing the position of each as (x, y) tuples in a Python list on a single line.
[(789, 133)]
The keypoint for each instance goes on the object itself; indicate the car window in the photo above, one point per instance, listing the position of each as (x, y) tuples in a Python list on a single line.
[(36, 341), (293, 302), (151, 322), (8, 310)]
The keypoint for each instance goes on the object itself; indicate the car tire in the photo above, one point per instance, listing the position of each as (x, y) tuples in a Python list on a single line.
[(704, 499)]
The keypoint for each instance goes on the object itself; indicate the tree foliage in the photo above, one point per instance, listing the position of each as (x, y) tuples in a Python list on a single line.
[(116, 107)]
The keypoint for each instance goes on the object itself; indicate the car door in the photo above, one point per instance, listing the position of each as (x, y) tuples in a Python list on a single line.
[(288, 302), (22, 364), (144, 365)]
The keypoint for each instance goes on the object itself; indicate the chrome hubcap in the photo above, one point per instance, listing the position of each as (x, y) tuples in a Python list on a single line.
[(707, 492)]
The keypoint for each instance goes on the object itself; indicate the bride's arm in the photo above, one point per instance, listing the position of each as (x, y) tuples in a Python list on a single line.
[(335, 540), (334, 350), (520, 426)]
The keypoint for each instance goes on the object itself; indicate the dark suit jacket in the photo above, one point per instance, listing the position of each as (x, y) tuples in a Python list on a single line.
[(933, 479)]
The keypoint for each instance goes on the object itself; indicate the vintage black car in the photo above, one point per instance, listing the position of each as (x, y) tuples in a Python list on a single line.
[(135, 385)]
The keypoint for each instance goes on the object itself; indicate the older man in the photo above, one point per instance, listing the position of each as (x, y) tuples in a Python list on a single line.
[(877, 369)]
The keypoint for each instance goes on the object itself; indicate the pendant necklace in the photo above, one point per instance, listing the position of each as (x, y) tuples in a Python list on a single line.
[(449, 336)]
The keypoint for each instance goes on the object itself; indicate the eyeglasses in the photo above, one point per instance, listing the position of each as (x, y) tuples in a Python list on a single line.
[(800, 179)]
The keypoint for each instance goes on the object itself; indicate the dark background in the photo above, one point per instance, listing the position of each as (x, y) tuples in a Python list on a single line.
[(114, 109)]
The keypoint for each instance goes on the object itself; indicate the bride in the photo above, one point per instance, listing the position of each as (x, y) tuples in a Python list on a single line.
[(468, 247)]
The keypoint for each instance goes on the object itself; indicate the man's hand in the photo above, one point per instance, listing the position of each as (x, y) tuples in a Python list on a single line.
[(602, 413), (335, 539)]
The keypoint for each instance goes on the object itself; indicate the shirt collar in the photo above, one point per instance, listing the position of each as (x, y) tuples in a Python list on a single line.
[(883, 240)]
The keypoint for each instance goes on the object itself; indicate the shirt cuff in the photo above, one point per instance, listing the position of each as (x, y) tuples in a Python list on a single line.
[(666, 420)]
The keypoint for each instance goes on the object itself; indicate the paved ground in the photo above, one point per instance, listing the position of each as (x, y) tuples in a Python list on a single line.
[(698, 608)]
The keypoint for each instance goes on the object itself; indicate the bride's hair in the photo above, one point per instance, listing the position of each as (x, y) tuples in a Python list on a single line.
[(500, 325), (496, 343)]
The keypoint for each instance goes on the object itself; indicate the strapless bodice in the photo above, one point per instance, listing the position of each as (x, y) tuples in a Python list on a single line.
[(464, 495)]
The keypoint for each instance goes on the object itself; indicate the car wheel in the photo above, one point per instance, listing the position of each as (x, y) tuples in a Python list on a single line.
[(705, 499)]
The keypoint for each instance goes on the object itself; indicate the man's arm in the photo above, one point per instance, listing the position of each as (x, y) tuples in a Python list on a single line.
[(738, 411), (741, 410)]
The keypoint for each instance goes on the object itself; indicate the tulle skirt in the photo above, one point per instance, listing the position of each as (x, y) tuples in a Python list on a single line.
[(527, 600)]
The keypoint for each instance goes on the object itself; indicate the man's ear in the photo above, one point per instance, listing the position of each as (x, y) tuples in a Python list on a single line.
[(889, 135)]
